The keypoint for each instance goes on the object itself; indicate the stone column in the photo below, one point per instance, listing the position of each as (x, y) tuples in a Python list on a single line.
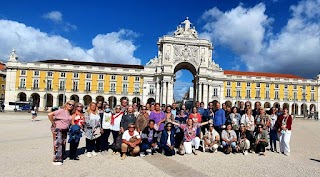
[(164, 92), (170, 93), (158, 90), (205, 94), (55, 101), (210, 92), (200, 92)]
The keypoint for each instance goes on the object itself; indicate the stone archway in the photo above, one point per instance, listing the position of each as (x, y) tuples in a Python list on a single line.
[(112, 101), (267, 105), (136, 100), (285, 105), (151, 100), (276, 105), (75, 98), (87, 99), (184, 50), (35, 100), (48, 100), (61, 99), (304, 110), (22, 96), (99, 98)]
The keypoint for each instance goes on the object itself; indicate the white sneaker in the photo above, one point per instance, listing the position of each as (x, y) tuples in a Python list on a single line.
[(216, 151), (149, 152), (57, 163), (94, 153), (142, 154), (245, 152), (89, 154)]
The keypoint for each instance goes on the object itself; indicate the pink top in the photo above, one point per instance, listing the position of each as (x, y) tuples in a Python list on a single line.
[(62, 118)]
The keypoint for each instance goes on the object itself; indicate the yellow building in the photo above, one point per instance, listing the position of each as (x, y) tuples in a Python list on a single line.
[(2, 82)]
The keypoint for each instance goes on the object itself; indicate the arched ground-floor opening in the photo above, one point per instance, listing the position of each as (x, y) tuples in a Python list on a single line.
[(312, 108), (99, 98), (61, 99), (35, 100), (87, 99), (21, 96), (267, 105), (136, 100), (285, 105), (75, 98), (276, 105), (151, 101), (48, 100), (112, 101)]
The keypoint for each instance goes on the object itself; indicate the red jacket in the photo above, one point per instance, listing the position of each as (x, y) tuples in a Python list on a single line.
[(279, 122)]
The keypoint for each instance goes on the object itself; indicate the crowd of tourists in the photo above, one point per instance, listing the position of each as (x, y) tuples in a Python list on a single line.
[(169, 129)]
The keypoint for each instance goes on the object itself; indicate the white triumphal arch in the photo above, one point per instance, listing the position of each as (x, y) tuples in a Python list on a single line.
[(183, 50)]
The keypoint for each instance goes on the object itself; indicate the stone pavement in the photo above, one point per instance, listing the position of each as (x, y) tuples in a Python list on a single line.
[(26, 150)]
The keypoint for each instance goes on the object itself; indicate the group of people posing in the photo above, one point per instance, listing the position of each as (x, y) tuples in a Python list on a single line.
[(168, 129)]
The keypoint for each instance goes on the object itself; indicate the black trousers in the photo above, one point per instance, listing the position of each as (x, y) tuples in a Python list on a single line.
[(73, 149), (261, 147), (115, 135), (105, 139), (93, 145), (168, 151)]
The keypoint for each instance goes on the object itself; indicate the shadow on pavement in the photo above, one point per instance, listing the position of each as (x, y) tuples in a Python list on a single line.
[(315, 160)]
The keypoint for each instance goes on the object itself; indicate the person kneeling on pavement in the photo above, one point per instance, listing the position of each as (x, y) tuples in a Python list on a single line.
[(261, 140), (229, 138), (130, 142), (211, 139), (149, 139), (167, 141), (244, 138)]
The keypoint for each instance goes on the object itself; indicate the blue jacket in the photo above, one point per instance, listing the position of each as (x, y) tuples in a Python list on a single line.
[(206, 115), (75, 133), (219, 117), (164, 138)]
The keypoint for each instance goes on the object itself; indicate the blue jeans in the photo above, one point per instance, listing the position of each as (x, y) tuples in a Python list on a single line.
[(168, 151), (233, 144), (144, 146)]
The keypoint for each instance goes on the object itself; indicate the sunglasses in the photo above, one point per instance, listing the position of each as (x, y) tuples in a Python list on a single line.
[(117, 108), (70, 104), (131, 127), (79, 106)]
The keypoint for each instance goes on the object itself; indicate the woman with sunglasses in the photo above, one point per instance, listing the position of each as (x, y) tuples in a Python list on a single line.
[(92, 130), (167, 141), (60, 120), (273, 130), (77, 120), (115, 128)]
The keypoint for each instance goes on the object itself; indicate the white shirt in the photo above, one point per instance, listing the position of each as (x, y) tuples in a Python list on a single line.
[(126, 136), (273, 120), (106, 120), (248, 121), (169, 140), (116, 125)]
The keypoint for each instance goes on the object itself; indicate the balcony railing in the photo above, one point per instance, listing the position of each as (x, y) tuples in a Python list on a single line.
[(48, 89), (258, 98), (75, 90), (100, 91), (124, 92), (151, 93), (136, 93), (22, 87), (87, 90), (112, 91), (34, 88)]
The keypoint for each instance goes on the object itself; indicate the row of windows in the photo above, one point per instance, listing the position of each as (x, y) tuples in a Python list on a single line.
[(268, 85), (88, 85), (76, 75), (267, 94)]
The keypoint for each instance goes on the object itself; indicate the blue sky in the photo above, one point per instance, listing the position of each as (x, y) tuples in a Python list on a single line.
[(270, 35)]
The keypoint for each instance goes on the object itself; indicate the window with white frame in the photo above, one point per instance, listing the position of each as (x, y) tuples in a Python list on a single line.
[(304, 95), (248, 94), (49, 73), (22, 83), (228, 92), (62, 74), (267, 94), (312, 88), (286, 86), (23, 72), (312, 96), (36, 84), (113, 77), (151, 89), (62, 84), (112, 87), (125, 88), (276, 86), (49, 84), (215, 92), (75, 85), (257, 93), (88, 76), (238, 93), (100, 86), (258, 85), (295, 87), (136, 88), (228, 83), (101, 76), (75, 75), (267, 85), (137, 79), (125, 78), (36, 73), (286, 95), (276, 95), (248, 84), (238, 84), (88, 86)]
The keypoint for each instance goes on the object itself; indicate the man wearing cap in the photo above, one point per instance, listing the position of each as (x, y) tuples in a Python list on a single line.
[(211, 139), (261, 140)]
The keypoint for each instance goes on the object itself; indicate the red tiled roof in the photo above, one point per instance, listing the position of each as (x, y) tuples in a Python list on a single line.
[(112, 65), (262, 74), (2, 67)]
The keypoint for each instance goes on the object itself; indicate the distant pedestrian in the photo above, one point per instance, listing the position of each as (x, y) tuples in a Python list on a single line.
[(34, 114), (2, 107), (60, 120)]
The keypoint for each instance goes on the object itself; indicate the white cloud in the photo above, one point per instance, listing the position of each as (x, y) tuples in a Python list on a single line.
[(32, 44), (54, 16), (247, 32), (180, 88), (179, 74)]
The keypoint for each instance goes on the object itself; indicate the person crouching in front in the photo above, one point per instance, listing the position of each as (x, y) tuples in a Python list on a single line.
[(244, 138), (211, 139), (261, 140), (229, 138), (167, 141), (149, 139), (130, 142)]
